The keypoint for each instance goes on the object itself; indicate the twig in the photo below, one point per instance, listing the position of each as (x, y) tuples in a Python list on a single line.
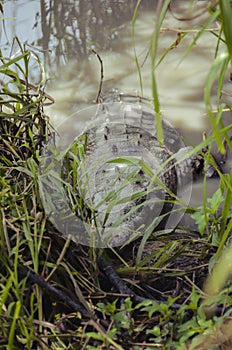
[(120, 285), (98, 99), (24, 272)]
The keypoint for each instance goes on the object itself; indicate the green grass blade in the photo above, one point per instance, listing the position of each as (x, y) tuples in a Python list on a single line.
[(211, 20), (226, 15), (13, 326), (161, 11), (134, 45), (219, 66)]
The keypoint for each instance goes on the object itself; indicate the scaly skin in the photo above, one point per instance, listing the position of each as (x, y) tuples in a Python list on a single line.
[(124, 128)]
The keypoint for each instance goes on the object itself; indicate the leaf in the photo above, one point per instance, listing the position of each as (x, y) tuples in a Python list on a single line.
[(215, 200)]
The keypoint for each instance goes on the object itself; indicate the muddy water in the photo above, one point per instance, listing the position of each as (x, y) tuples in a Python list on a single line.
[(65, 34), (180, 79)]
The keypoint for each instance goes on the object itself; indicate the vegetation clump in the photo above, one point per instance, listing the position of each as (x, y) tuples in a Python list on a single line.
[(56, 294)]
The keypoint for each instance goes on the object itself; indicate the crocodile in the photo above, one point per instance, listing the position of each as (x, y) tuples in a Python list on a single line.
[(130, 179)]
